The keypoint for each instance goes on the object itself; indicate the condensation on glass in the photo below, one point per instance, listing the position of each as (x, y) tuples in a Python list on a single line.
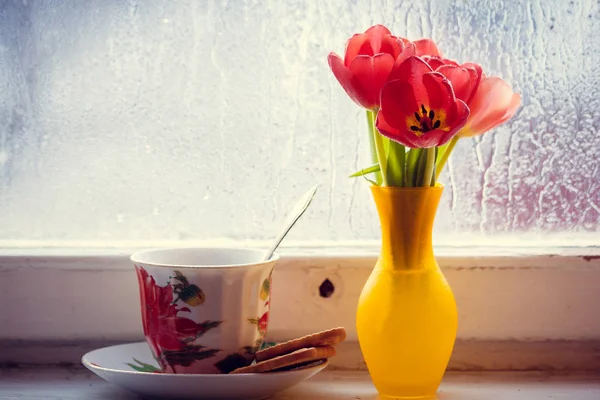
[(154, 120)]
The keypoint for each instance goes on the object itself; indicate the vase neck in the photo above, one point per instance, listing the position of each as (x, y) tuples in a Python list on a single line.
[(406, 216)]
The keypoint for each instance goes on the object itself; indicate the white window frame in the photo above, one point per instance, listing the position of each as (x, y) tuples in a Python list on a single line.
[(56, 302)]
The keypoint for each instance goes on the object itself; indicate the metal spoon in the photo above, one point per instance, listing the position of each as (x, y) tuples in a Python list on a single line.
[(292, 217)]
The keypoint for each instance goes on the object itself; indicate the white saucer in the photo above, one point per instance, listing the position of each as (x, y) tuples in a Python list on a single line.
[(114, 365)]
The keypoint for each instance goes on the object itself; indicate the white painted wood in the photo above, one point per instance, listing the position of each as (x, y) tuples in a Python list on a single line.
[(67, 384), (502, 294)]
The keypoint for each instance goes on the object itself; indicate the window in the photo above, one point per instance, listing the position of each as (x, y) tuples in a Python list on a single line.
[(124, 123), (205, 120)]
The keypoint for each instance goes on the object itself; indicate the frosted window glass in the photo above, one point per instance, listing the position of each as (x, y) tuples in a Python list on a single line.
[(169, 120)]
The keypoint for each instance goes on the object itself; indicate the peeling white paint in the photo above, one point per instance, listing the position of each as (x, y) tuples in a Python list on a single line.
[(499, 297)]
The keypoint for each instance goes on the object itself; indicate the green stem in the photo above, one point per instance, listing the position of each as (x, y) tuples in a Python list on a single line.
[(421, 167), (434, 175), (412, 164), (429, 166), (395, 164), (445, 155), (373, 145), (379, 145)]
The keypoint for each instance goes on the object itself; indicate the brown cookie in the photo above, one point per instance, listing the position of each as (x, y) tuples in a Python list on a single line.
[(287, 361), (329, 337)]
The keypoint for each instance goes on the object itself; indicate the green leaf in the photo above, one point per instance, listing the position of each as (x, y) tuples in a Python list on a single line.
[(143, 367), (440, 152), (266, 345), (206, 326), (444, 154), (371, 181), (362, 172), (188, 355)]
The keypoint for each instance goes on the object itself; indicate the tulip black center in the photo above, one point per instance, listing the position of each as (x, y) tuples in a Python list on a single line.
[(426, 121)]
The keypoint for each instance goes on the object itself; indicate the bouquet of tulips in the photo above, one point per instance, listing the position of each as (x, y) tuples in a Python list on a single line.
[(418, 104)]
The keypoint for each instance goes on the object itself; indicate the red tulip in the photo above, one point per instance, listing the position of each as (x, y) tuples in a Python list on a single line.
[(491, 101), (493, 104), (464, 78), (369, 59), (418, 106)]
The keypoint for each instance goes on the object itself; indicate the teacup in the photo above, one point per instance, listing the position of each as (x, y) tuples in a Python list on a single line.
[(204, 310)]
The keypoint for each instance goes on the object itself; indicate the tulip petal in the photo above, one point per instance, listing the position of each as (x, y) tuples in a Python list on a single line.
[(459, 116), (420, 110), (515, 103), (355, 45), (434, 62), (464, 81), (376, 35), (476, 75), (408, 50), (410, 69), (390, 45), (342, 74), (439, 90), (369, 74), (367, 64), (393, 133), (493, 104), (427, 47), (398, 96), (376, 39)]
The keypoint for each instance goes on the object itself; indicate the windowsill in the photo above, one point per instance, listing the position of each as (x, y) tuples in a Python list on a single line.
[(62, 383), (519, 302)]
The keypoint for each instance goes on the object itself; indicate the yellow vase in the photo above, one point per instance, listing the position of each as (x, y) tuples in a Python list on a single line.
[(406, 317)]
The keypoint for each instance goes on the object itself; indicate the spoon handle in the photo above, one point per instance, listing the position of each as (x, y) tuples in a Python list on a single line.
[(292, 217)]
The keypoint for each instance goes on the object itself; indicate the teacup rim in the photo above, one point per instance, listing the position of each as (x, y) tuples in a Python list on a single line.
[(135, 257)]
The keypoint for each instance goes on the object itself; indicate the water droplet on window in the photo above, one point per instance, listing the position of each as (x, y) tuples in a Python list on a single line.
[(4, 156)]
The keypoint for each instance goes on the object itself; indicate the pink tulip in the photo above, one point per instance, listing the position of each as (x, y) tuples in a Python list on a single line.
[(493, 104)]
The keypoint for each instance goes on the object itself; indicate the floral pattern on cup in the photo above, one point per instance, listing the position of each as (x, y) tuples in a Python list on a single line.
[(140, 366), (173, 337), (226, 365), (261, 323), (246, 355), (189, 293)]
